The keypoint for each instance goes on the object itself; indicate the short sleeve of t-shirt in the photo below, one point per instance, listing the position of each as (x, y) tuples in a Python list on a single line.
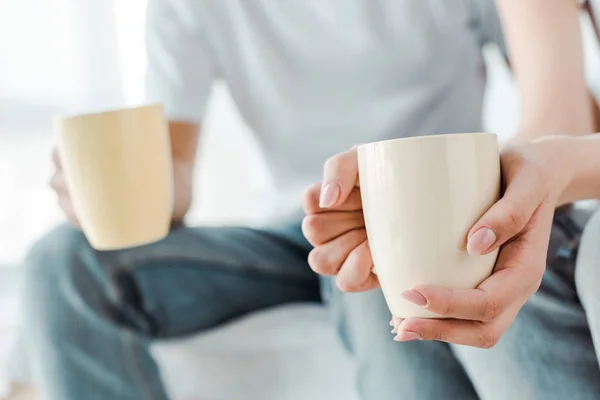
[(180, 70), (489, 26)]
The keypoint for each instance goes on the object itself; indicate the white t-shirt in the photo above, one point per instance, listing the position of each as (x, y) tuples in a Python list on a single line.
[(314, 77)]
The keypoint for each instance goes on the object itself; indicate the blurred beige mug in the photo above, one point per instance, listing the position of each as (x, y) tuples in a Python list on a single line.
[(420, 198), (118, 171)]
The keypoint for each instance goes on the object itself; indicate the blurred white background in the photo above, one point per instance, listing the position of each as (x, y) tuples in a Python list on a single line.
[(66, 55), (75, 55)]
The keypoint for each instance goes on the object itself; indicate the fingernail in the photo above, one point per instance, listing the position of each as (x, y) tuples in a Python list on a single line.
[(407, 336), (481, 241), (329, 195), (415, 298), (395, 330), (392, 322)]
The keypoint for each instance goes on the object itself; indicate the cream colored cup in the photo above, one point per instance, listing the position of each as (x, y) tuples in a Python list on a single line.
[(118, 170), (420, 198)]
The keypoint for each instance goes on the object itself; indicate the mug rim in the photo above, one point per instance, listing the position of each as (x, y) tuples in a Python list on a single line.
[(442, 136), (107, 111)]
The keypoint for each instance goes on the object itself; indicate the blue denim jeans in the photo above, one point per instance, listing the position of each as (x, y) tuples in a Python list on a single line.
[(91, 317)]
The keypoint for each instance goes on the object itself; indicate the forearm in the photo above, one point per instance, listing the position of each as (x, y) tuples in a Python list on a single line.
[(584, 184), (182, 189), (577, 163), (184, 142), (546, 56)]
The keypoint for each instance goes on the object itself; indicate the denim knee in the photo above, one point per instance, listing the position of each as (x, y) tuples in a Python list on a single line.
[(48, 271), (51, 257)]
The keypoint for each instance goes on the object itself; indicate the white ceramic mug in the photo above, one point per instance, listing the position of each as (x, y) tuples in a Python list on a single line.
[(118, 170), (420, 198)]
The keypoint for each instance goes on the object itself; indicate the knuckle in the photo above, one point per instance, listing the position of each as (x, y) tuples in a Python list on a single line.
[(342, 285), (487, 340), (535, 286), (320, 262), (311, 225), (357, 235), (334, 163), (532, 280), (515, 220), (345, 285), (444, 309), (440, 301), (357, 265), (490, 310), (441, 335), (311, 198), (354, 258)]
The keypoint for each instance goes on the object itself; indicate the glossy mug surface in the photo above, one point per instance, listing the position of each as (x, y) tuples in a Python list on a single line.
[(420, 198), (118, 170)]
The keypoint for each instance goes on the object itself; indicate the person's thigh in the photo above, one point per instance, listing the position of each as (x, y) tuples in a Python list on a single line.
[(194, 279), (587, 277), (90, 315), (389, 370), (201, 277), (547, 353)]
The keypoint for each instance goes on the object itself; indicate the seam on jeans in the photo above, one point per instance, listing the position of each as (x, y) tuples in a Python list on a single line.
[(174, 252), (128, 263), (195, 263), (287, 241), (243, 272), (250, 271), (133, 367)]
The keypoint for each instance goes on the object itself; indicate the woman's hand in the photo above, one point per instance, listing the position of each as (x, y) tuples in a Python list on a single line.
[(335, 226), (520, 222), (534, 176)]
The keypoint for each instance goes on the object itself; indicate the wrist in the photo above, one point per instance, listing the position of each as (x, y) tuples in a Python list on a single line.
[(575, 166), (585, 181), (560, 159), (564, 119), (573, 115)]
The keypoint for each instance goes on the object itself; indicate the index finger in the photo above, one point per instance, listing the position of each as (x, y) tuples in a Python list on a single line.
[(310, 201), (340, 176)]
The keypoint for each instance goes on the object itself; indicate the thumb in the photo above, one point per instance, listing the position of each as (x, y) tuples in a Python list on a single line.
[(340, 176), (505, 219)]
